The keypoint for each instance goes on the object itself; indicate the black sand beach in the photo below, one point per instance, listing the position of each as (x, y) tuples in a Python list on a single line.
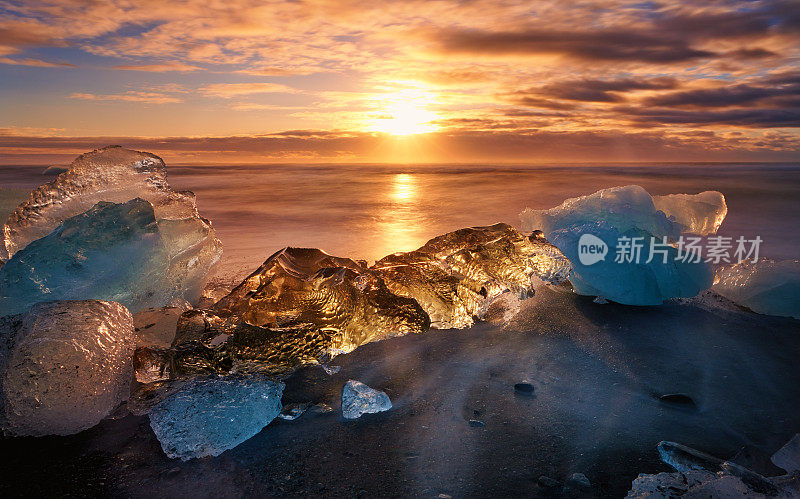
[(597, 373)]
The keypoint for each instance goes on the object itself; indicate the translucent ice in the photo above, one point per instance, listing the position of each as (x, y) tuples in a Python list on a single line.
[(206, 343), (358, 399), (155, 327), (114, 252), (302, 306), (298, 286), (766, 287), (64, 366), (456, 275), (207, 416), (611, 214), (697, 213), (701, 475), (110, 174)]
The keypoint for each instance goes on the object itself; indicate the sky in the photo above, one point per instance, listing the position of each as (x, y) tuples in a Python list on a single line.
[(239, 81)]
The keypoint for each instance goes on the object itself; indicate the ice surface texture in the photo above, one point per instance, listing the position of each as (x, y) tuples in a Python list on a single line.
[(301, 306), (207, 416), (64, 366), (110, 174), (359, 399), (456, 275), (115, 252), (701, 475), (610, 214), (696, 213), (118, 175), (766, 287), (298, 286)]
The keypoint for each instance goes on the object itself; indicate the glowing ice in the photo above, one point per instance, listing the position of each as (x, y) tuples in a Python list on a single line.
[(766, 287), (64, 366), (610, 214), (297, 286), (697, 213), (114, 252), (455, 276), (302, 306), (359, 399), (207, 416)]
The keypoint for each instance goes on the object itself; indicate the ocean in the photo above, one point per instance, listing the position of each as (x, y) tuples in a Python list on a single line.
[(368, 211)]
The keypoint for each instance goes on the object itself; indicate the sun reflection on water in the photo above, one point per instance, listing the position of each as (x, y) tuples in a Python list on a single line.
[(401, 219)]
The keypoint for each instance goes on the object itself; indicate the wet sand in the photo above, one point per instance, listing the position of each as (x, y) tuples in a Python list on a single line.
[(597, 371)]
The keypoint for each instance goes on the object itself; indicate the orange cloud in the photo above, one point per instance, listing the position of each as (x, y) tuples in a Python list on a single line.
[(131, 96), (229, 90)]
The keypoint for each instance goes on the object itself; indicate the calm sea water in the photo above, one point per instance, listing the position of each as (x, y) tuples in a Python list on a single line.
[(368, 211)]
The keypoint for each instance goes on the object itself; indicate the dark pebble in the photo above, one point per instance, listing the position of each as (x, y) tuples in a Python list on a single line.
[(678, 400), (547, 482), (524, 388), (476, 423)]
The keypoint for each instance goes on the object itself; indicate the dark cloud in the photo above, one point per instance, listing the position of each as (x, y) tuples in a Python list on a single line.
[(605, 45), (751, 53), (526, 99), (755, 118), (736, 95), (602, 90), (775, 91)]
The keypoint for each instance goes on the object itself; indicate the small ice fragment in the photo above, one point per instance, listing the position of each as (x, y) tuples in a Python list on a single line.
[(331, 370), (64, 366), (208, 416), (788, 456), (290, 412), (358, 399)]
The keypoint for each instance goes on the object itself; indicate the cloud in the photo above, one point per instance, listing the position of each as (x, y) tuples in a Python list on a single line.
[(601, 45), (602, 90), (229, 90), (159, 68), (480, 65), (465, 145), (131, 96), (759, 118), (36, 63)]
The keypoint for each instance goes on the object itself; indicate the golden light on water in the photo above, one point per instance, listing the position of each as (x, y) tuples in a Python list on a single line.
[(404, 187), (405, 113), (398, 224)]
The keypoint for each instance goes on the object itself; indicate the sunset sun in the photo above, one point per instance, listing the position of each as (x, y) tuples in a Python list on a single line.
[(404, 113)]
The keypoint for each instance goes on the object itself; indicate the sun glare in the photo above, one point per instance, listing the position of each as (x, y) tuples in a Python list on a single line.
[(404, 113)]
